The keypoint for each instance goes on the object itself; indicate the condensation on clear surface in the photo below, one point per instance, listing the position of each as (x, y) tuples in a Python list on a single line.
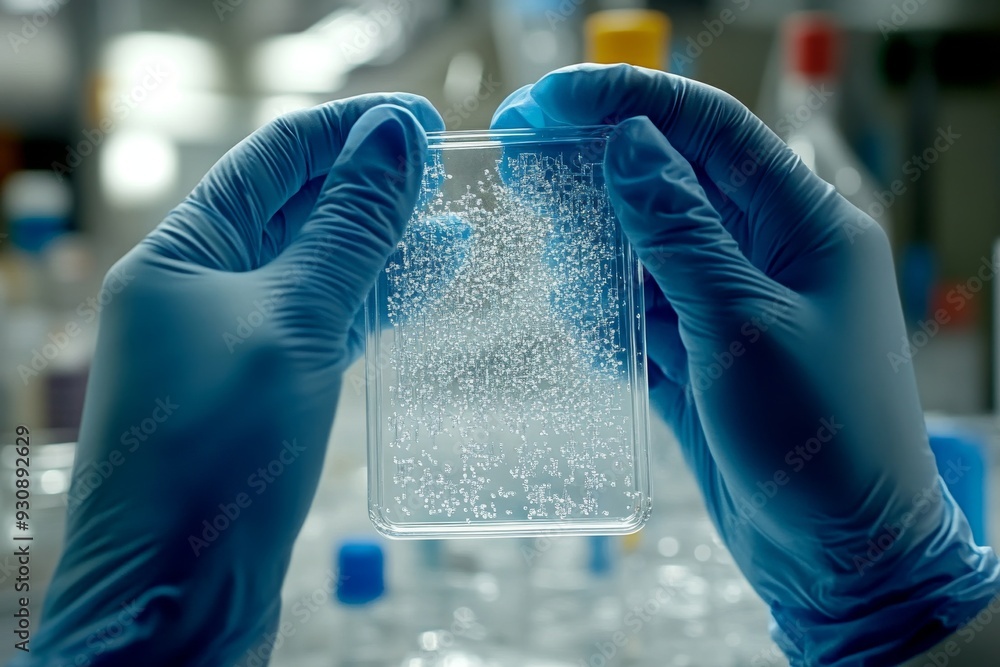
[(508, 397)]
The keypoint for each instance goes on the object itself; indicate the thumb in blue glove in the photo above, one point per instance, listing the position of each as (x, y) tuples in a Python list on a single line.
[(242, 310)]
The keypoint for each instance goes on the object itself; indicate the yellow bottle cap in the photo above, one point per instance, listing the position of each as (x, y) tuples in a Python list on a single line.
[(633, 36), (631, 541)]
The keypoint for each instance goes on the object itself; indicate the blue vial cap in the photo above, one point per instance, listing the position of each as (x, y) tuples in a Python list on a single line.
[(31, 234), (360, 572), (601, 559), (961, 462)]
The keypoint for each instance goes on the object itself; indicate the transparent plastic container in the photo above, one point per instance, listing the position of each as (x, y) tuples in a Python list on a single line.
[(506, 373)]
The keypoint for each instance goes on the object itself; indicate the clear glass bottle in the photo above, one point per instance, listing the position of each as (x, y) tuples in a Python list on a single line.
[(807, 111)]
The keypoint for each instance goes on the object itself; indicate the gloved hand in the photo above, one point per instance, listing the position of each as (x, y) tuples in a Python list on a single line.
[(774, 330), (214, 386)]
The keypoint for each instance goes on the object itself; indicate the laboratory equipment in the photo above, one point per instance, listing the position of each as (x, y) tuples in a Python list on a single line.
[(365, 634), (808, 102), (509, 398), (45, 336), (532, 37), (638, 37)]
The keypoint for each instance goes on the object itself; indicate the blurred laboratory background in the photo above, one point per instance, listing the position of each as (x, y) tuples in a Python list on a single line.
[(113, 109)]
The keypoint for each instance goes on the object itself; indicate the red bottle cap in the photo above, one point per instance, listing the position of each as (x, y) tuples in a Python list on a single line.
[(812, 44)]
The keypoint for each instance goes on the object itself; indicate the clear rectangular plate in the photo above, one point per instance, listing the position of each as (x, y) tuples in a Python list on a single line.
[(505, 361)]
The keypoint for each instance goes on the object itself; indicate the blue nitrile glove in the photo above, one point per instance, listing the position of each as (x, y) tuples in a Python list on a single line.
[(213, 389), (775, 332)]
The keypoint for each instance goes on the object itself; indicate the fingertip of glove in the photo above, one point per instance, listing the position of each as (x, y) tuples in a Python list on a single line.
[(518, 110), (423, 111), (646, 176), (635, 145), (387, 138), (394, 127), (564, 80), (581, 93)]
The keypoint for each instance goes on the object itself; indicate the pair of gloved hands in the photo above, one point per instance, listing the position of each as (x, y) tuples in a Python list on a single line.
[(771, 312)]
